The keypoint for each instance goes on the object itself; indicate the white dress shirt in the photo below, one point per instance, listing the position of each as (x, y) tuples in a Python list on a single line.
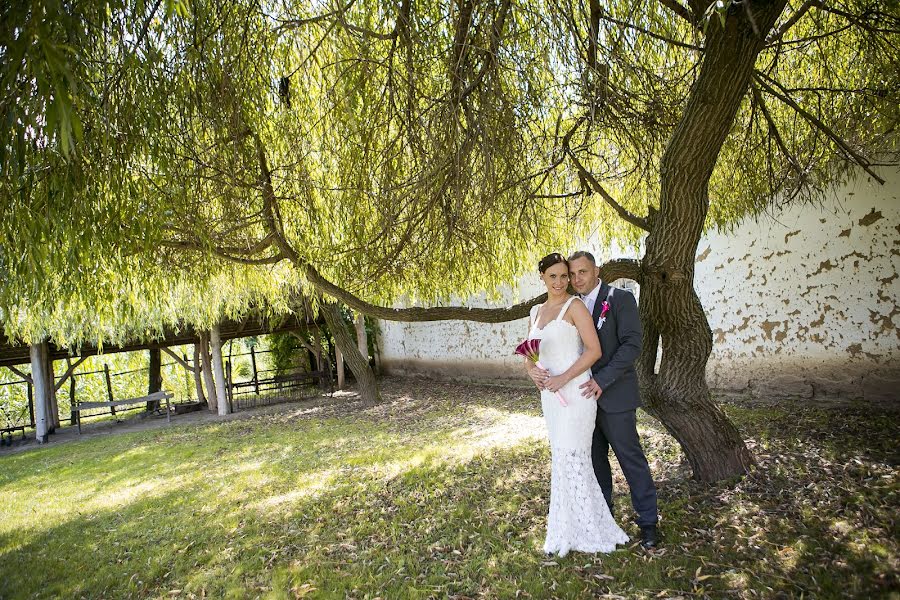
[(591, 299)]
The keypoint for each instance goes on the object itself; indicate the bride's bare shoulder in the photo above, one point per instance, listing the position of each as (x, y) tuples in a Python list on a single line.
[(577, 307)]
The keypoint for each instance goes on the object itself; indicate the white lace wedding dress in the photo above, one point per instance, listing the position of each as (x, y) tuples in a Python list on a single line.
[(579, 518)]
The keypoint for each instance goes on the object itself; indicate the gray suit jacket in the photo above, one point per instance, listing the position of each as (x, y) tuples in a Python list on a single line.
[(620, 341)]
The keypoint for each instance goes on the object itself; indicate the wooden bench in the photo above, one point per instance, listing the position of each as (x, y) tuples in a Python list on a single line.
[(13, 425), (154, 397), (6, 434)]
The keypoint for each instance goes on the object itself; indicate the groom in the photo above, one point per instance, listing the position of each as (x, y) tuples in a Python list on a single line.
[(614, 385)]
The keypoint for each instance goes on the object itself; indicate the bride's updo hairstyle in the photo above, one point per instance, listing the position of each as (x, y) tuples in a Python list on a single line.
[(550, 260)]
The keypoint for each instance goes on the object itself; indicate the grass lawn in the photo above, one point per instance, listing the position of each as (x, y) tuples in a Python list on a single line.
[(439, 491)]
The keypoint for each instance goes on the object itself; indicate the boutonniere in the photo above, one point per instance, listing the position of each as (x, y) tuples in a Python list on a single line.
[(604, 308)]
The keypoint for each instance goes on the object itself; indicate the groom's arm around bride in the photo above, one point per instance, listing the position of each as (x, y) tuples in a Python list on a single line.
[(620, 338)]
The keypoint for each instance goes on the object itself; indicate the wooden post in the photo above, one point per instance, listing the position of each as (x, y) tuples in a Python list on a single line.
[(109, 392), (376, 353), (40, 393), (255, 374), (198, 373), (230, 383), (72, 402), (339, 356), (31, 405), (362, 340), (324, 356), (218, 369), (187, 376), (52, 405), (208, 382), (154, 377)]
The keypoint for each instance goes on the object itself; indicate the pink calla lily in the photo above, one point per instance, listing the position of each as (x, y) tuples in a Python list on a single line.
[(530, 349)]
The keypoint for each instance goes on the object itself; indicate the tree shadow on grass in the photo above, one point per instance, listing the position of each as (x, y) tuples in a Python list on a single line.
[(422, 518), (436, 529), (816, 517)]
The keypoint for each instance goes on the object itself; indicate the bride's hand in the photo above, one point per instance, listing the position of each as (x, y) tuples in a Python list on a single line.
[(555, 383), (538, 376)]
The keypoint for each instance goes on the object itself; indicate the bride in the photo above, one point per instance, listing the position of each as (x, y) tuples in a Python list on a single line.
[(579, 518)]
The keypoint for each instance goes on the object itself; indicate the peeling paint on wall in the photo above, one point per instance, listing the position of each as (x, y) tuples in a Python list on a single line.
[(809, 309), (871, 218), (843, 321)]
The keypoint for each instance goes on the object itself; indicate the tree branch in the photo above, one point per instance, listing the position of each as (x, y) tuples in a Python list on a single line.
[(799, 44), (270, 203), (605, 16), (460, 47), (367, 32), (852, 19), (593, 33), (337, 16), (857, 157), (304, 342), (773, 129), (296, 23), (491, 56), (235, 255), (120, 71), (858, 19), (610, 271), (680, 10), (589, 178), (779, 33)]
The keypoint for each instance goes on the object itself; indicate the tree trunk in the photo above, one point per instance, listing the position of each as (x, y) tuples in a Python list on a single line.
[(154, 377), (109, 391), (313, 353), (323, 359), (341, 375), (670, 310), (52, 404), (71, 393), (218, 370), (198, 374), (359, 365), (212, 400)]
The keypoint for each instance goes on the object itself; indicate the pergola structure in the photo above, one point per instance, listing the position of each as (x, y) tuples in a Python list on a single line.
[(208, 355)]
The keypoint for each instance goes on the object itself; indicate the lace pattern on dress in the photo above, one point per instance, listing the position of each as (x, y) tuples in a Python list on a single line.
[(579, 518)]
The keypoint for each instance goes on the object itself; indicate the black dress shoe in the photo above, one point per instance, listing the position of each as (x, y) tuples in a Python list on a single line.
[(649, 537)]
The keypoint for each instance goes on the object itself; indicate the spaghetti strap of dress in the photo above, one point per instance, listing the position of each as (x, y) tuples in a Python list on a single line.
[(565, 307), (535, 311)]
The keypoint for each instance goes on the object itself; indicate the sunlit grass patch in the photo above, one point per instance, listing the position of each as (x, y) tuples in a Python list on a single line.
[(439, 491)]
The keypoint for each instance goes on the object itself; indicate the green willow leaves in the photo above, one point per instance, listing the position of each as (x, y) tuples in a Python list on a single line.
[(179, 160)]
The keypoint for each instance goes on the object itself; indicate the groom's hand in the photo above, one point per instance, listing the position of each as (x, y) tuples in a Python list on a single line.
[(538, 376), (590, 389)]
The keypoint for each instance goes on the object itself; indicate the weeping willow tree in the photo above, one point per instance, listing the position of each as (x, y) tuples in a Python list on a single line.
[(370, 152)]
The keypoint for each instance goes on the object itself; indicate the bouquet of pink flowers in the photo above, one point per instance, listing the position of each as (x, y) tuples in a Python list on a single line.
[(530, 349)]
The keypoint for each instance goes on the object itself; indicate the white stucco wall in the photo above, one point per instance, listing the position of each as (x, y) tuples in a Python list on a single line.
[(802, 303)]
